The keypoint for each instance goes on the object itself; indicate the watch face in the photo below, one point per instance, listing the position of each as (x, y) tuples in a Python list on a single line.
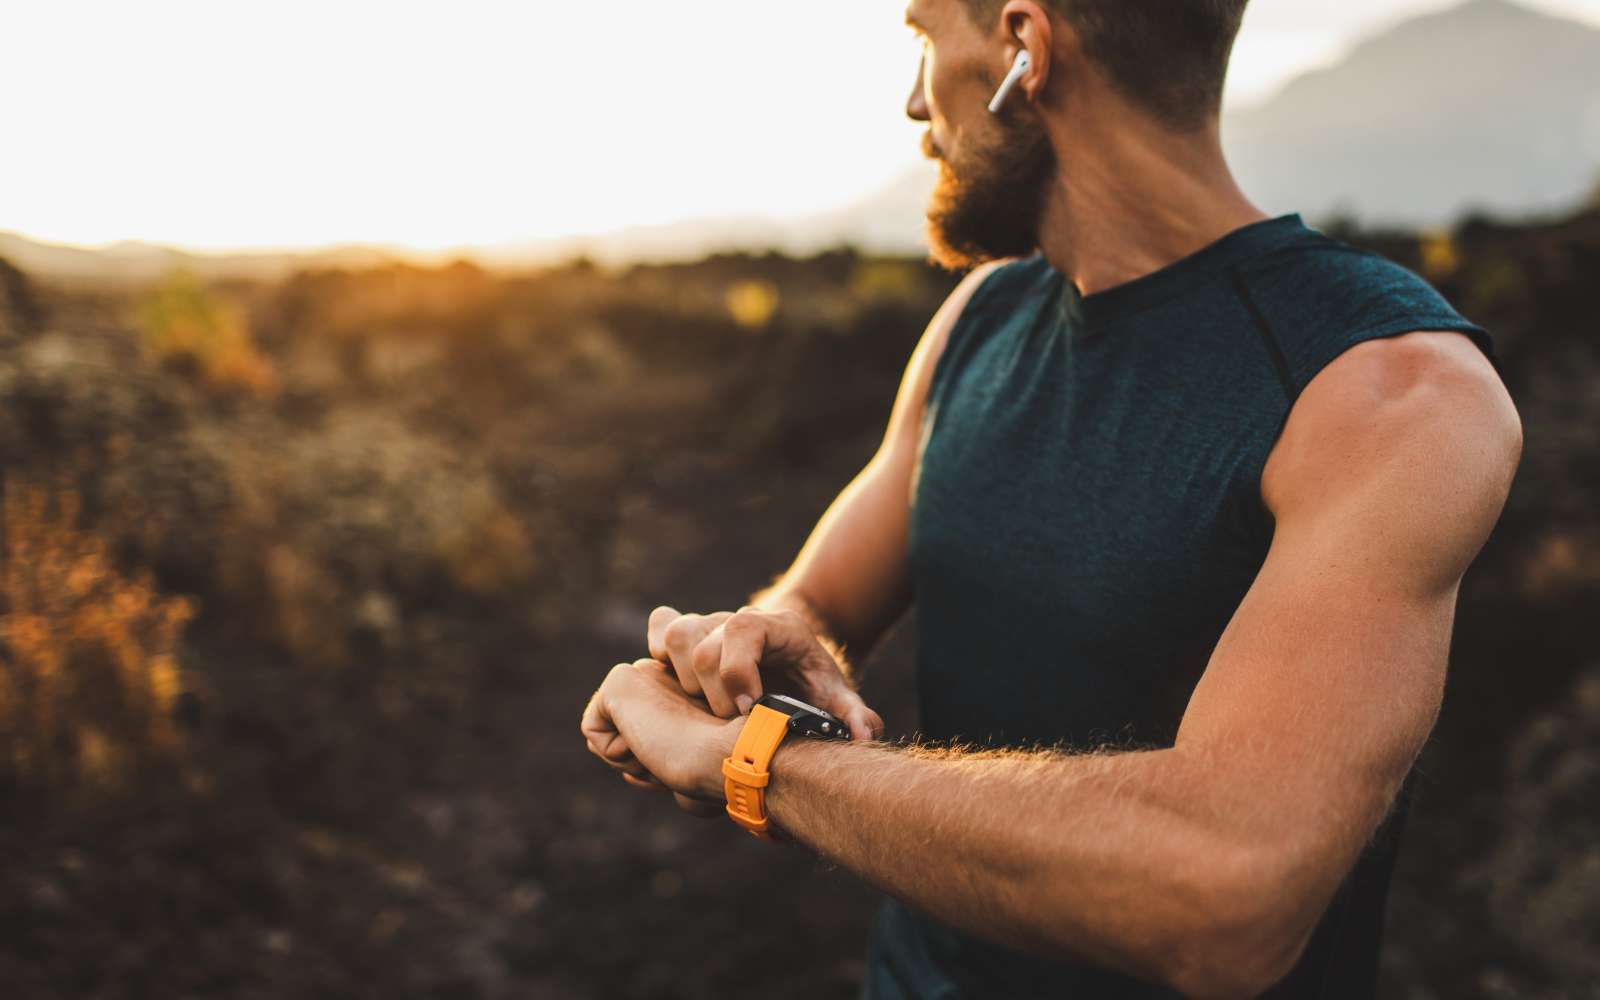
[(790, 705), (808, 720)]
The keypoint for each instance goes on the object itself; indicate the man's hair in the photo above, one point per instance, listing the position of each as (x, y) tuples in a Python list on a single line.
[(1169, 56)]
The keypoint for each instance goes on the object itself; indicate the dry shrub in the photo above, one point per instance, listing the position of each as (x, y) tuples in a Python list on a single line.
[(899, 281), (18, 311), (306, 610), (359, 529), (752, 304), (487, 548), (1558, 563), (184, 324), (1441, 257), (88, 671)]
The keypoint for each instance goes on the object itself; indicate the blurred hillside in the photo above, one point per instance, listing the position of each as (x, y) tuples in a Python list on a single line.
[(306, 583), (1483, 106), (1488, 105), (132, 263)]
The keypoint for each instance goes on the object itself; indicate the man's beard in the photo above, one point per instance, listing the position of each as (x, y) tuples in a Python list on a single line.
[(989, 201)]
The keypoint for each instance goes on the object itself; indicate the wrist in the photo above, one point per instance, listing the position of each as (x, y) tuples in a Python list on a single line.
[(795, 757), (796, 753), (722, 740), (776, 725)]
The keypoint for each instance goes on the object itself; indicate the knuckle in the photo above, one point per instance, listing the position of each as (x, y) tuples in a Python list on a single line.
[(707, 657), (682, 629)]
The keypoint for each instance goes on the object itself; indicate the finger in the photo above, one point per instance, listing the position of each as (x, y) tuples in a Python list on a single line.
[(707, 665), (656, 631), (843, 701), (681, 636), (614, 753), (596, 723), (612, 747), (744, 642), (624, 760), (629, 768), (865, 724), (647, 783), (699, 807), (599, 730)]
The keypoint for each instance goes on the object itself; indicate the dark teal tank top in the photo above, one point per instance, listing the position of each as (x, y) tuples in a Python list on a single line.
[(1088, 516)]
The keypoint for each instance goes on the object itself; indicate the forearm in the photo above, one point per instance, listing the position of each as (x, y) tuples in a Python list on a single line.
[(1109, 858)]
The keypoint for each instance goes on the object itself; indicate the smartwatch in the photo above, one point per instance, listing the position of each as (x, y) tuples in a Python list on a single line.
[(745, 773)]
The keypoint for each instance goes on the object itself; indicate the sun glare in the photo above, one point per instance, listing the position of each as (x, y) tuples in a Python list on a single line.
[(299, 123)]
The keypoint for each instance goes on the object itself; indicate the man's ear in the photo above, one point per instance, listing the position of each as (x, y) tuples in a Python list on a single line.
[(1027, 25)]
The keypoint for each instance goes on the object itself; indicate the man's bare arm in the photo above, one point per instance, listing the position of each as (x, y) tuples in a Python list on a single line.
[(851, 581), (847, 586), (1208, 864)]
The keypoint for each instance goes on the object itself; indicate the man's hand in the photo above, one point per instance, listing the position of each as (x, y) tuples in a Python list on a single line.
[(642, 724), (731, 658)]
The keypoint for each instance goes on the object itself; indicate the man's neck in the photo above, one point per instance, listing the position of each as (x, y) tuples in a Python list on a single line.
[(1129, 200)]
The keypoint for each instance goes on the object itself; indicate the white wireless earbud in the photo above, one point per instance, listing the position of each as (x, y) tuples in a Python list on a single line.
[(1018, 68)]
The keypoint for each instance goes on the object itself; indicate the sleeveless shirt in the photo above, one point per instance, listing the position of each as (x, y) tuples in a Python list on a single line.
[(1087, 517)]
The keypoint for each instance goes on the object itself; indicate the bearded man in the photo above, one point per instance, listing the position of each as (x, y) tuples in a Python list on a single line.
[(1183, 496)]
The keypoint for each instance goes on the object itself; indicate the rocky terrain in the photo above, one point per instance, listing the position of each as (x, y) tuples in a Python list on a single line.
[(307, 581)]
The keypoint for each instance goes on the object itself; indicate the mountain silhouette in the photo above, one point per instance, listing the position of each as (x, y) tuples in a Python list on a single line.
[(1485, 106), (131, 262)]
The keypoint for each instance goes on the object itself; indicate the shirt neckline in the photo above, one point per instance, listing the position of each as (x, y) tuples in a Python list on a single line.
[(1087, 314)]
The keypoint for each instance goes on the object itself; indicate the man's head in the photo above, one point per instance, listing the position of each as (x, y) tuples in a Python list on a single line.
[(1164, 61)]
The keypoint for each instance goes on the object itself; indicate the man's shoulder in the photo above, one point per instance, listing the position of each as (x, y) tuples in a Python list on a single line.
[(1318, 298), (992, 295), (996, 283), (1427, 400), (987, 289)]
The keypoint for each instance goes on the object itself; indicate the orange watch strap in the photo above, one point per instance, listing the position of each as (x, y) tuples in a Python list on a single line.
[(745, 773)]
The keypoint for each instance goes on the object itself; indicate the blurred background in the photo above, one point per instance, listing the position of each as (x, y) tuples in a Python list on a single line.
[(369, 371)]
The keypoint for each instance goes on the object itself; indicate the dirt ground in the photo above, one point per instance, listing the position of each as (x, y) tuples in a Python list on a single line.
[(421, 513)]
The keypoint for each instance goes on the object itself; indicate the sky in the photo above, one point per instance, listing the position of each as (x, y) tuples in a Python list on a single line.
[(299, 123)]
